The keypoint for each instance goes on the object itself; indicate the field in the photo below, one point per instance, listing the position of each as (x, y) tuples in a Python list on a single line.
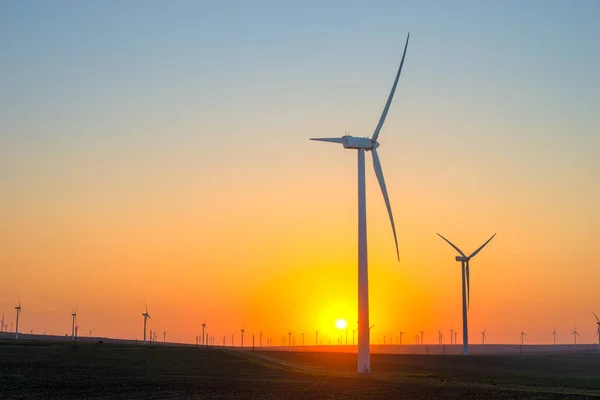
[(45, 370)]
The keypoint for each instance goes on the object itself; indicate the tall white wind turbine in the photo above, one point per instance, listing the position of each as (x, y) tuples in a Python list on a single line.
[(146, 316), (74, 315), (18, 308), (466, 287), (362, 144)]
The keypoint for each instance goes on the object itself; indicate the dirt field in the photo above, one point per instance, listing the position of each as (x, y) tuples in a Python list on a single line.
[(38, 370)]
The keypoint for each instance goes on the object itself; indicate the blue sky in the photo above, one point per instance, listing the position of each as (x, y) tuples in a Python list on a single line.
[(113, 113)]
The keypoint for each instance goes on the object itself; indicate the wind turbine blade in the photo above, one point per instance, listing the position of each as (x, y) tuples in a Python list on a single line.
[(389, 101), (450, 243), (332, 140), (379, 173), (596, 316), (482, 246)]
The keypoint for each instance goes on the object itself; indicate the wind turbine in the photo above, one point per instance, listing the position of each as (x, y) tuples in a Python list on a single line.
[(74, 315), (18, 308), (165, 337), (316, 338), (451, 335), (554, 335), (597, 322), (422, 335), (483, 337), (439, 336), (146, 316), (523, 334), (575, 334), (361, 145), (2, 323), (243, 331), (203, 326), (290, 338), (466, 288), (401, 333)]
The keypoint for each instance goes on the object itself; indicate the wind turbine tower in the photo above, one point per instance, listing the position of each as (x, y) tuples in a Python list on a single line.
[(401, 333), (74, 316), (18, 308), (2, 323), (146, 316), (203, 326), (243, 331), (362, 145), (466, 288), (554, 335), (483, 337), (523, 334), (316, 338), (290, 338)]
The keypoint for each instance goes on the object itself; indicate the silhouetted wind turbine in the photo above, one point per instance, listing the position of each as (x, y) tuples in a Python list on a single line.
[(316, 338), (146, 316), (242, 331), (483, 337), (74, 315), (597, 322), (289, 338), (401, 333), (422, 335), (575, 334), (523, 334), (554, 335), (203, 326), (362, 145), (451, 335), (18, 308), (466, 287)]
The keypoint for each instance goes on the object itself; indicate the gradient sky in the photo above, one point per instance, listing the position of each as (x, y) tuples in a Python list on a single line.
[(158, 151)]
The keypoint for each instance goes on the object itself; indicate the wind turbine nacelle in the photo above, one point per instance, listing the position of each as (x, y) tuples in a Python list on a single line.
[(462, 259), (351, 142)]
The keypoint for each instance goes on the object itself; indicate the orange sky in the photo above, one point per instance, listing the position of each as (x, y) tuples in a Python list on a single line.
[(139, 162)]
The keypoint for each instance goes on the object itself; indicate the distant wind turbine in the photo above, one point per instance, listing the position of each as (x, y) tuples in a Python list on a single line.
[(2, 323), (18, 308), (362, 145), (466, 287), (290, 338), (74, 315), (316, 338), (597, 322), (401, 333), (422, 336), (575, 334), (451, 335), (242, 331), (165, 337), (146, 316), (523, 334), (483, 337), (203, 326), (554, 335)]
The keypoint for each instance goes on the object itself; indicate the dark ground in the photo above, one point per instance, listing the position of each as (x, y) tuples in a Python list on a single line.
[(38, 370)]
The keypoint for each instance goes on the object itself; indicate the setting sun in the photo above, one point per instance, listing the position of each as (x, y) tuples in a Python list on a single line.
[(341, 323)]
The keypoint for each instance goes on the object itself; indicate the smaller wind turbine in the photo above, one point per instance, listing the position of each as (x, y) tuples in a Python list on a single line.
[(74, 315), (523, 334), (260, 338), (146, 316), (483, 337), (401, 333), (290, 338), (422, 336), (18, 308), (203, 326), (2, 323), (316, 337), (554, 335), (597, 322), (575, 334), (439, 336), (243, 331), (165, 337), (451, 335)]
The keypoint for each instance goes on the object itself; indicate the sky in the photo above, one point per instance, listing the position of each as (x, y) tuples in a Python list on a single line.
[(155, 151)]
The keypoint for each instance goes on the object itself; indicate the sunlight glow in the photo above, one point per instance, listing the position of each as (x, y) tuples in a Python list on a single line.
[(341, 323)]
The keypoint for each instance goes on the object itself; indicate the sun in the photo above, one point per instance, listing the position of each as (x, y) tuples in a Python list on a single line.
[(341, 323)]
